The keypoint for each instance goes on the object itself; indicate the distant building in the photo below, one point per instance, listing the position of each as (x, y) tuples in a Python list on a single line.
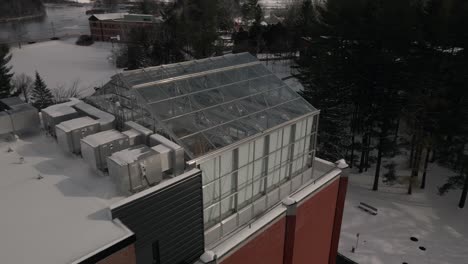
[(117, 26)]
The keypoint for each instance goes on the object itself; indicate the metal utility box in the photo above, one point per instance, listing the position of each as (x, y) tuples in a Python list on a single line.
[(166, 157), (135, 168), (17, 116), (69, 133), (143, 130), (5, 123), (97, 147), (134, 137), (106, 120), (177, 153), (56, 114), (24, 117)]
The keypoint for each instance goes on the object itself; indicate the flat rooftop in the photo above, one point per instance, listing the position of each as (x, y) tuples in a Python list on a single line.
[(59, 218)]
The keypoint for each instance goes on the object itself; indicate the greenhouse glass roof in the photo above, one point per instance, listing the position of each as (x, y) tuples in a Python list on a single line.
[(211, 103)]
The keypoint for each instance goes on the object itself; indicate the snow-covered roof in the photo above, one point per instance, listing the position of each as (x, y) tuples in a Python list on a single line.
[(130, 155), (58, 217), (61, 109), (109, 16)]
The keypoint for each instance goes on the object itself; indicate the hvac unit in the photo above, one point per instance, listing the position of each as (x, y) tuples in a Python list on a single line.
[(17, 116), (177, 153), (106, 120), (135, 168), (141, 129), (69, 133), (166, 156), (56, 114), (97, 147), (134, 137)]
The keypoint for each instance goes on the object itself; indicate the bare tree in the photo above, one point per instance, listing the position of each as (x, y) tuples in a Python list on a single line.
[(62, 93), (22, 84)]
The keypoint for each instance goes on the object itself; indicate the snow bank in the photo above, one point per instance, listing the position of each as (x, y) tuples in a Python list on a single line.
[(60, 63)]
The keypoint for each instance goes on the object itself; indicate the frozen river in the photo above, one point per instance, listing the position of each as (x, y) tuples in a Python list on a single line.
[(61, 20)]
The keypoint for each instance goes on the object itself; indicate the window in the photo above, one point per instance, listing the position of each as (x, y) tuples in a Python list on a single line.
[(238, 178)]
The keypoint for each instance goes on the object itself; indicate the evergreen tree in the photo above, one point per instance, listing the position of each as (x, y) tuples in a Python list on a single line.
[(251, 10), (5, 75), (41, 96)]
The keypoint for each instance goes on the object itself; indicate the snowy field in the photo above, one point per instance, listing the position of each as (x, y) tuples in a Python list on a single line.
[(60, 63), (436, 221)]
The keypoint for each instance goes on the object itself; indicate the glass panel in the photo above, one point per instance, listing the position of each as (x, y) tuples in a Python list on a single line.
[(273, 179), (258, 169), (211, 215), (227, 183), (228, 206), (226, 162), (286, 135), (208, 169), (210, 193), (245, 154), (310, 120), (275, 141), (259, 147), (244, 196), (198, 144), (259, 187), (244, 175)]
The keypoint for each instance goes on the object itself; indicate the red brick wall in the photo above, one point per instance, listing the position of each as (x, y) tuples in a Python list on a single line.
[(123, 256), (266, 248), (314, 226), (340, 201)]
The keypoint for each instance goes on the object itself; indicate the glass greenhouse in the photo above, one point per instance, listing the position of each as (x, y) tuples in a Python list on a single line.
[(251, 135)]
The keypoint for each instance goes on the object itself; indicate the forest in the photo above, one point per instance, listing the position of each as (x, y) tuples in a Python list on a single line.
[(20, 8), (391, 76)]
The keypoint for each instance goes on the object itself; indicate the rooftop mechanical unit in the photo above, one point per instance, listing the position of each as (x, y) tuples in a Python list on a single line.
[(166, 156), (17, 116), (106, 120), (69, 133), (97, 147), (135, 168), (134, 137), (177, 153), (56, 114), (145, 132)]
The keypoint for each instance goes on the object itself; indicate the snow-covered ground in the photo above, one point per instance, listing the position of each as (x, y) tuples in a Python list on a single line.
[(440, 226), (60, 63)]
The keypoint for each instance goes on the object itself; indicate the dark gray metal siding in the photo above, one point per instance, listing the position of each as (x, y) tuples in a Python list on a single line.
[(172, 216)]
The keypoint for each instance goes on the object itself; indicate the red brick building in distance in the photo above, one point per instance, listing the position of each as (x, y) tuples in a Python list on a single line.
[(117, 26)]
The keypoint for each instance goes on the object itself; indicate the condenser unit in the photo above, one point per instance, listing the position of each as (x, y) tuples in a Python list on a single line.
[(97, 147), (69, 133), (135, 168)]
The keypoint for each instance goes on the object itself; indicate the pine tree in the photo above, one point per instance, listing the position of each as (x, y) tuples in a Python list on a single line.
[(5, 75), (41, 95)]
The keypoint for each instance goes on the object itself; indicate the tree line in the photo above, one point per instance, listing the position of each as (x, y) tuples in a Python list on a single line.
[(19, 8), (375, 67)]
